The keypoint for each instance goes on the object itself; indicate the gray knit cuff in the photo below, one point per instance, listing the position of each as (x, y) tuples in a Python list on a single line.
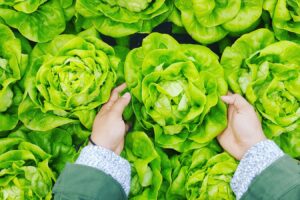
[(256, 159), (108, 162)]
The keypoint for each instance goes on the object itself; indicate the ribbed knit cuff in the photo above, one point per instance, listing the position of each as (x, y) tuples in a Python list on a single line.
[(108, 162), (256, 159)]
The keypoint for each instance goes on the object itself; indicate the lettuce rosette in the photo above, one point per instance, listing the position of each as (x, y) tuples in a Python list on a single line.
[(175, 91), (30, 162), (201, 174), (268, 74), (285, 15), (24, 171), (209, 21), (120, 18), (68, 80), (38, 21), (146, 178), (13, 63)]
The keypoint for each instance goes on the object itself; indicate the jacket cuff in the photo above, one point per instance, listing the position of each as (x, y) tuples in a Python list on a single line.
[(108, 162), (256, 159)]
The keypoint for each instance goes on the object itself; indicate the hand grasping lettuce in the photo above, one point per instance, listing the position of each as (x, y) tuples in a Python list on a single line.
[(13, 63), (208, 21), (268, 74), (38, 21), (118, 18), (69, 78), (175, 91)]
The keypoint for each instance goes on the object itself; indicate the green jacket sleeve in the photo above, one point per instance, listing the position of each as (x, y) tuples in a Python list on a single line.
[(281, 180), (86, 183)]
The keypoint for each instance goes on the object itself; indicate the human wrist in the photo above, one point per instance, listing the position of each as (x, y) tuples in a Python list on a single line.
[(103, 144)]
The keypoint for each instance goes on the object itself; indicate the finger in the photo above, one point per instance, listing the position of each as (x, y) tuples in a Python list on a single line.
[(236, 100), (114, 96), (230, 112), (121, 104)]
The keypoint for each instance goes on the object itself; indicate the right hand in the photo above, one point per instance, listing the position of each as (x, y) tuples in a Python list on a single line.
[(244, 128)]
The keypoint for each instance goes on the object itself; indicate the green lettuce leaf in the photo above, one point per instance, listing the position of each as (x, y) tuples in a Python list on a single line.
[(68, 79), (285, 15), (38, 21), (146, 178), (210, 21), (118, 18), (175, 91), (24, 170), (201, 174), (13, 64)]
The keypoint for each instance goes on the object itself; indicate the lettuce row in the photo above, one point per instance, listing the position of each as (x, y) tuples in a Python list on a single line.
[(13, 63), (175, 91), (118, 18), (267, 72), (208, 21), (68, 79)]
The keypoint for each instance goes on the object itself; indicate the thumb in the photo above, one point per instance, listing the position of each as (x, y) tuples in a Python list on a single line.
[(121, 104), (236, 100)]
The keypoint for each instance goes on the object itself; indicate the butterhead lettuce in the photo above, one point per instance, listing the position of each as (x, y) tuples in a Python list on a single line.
[(268, 74), (39, 20), (285, 15), (145, 165), (118, 18), (208, 21), (13, 64), (175, 91), (68, 79)]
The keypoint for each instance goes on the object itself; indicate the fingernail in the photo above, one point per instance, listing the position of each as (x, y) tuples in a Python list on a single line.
[(126, 95)]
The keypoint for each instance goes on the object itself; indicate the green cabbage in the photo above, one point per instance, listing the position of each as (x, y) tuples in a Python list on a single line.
[(268, 74), (118, 18), (285, 16), (13, 63), (69, 78), (208, 21), (145, 164), (39, 20), (202, 174), (175, 91)]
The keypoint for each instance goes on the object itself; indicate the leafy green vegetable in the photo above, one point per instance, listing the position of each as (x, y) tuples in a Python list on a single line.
[(175, 90), (146, 165), (13, 63), (57, 142), (201, 174), (24, 170), (39, 21), (118, 18), (268, 74), (209, 21), (285, 16), (69, 78)]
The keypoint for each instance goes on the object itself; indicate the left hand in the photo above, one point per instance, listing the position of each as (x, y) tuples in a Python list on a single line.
[(109, 127)]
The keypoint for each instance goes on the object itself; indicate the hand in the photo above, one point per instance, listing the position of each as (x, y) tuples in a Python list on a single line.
[(244, 128), (109, 127)]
